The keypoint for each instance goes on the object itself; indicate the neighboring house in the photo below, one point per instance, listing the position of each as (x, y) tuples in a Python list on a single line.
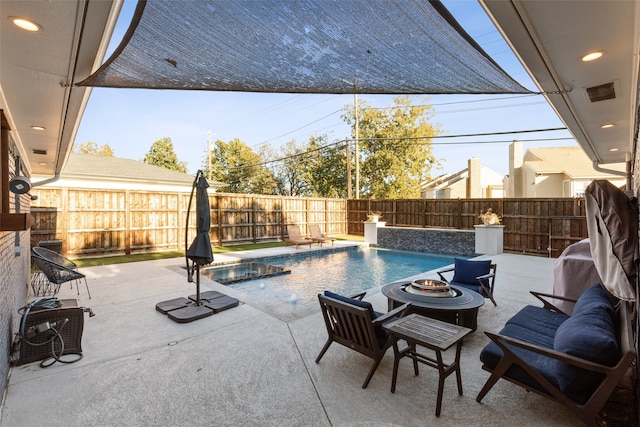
[(554, 172), (104, 172), (475, 181)]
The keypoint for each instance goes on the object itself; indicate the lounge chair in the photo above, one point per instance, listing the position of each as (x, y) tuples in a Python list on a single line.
[(317, 236), (353, 323), (294, 237)]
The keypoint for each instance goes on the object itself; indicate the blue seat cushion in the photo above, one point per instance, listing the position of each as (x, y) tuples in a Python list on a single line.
[(474, 287), (466, 270), (352, 301), (538, 319), (589, 335), (491, 355)]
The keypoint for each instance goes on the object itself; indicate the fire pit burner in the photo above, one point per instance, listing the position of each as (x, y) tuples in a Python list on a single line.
[(430, 288)]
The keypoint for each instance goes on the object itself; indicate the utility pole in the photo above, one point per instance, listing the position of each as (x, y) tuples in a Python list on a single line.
[(356, 150), (209, 154), (348, 156)]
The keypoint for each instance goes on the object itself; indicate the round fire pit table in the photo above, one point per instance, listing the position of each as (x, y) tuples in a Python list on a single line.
[(460, 309)]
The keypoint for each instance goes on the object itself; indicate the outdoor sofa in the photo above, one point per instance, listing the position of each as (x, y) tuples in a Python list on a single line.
[(575, 360)]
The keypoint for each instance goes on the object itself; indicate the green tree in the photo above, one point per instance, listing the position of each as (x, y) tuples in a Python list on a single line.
[(327, 167), (161, 154), (243, 170), (94, 149), (395, 148), (291, 171), (316, 168)]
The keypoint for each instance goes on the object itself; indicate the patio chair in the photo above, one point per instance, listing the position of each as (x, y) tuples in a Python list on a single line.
[(478, 276), (353, 323), (317, 236), (58, 269), (294, 237), (41, 286)]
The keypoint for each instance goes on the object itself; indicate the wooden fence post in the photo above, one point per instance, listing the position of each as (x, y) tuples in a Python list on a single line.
[(65, 220), (127, 222)]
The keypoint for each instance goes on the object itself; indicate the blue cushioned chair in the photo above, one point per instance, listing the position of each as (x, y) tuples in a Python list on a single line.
[(354, 324), (478, 276)]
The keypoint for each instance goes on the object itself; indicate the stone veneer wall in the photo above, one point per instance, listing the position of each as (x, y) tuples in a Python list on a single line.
[(431, 240), (14, 279)]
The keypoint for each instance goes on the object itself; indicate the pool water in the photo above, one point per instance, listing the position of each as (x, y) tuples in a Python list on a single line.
[(346, 272)]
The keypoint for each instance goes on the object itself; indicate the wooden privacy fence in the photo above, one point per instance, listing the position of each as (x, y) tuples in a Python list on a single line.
[(533, 226), (92, 222)]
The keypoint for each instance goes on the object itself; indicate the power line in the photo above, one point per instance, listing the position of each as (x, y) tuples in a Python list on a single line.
[(502, 98), (302, 127), (416, 138), (423, 105)]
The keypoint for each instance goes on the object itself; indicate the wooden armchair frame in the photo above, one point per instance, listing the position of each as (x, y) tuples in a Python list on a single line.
[(353, 327)]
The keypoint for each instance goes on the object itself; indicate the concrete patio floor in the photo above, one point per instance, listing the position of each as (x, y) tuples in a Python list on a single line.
[(246, 367)]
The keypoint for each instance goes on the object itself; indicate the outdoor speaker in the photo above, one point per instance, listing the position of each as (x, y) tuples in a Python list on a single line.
[(20, 185)]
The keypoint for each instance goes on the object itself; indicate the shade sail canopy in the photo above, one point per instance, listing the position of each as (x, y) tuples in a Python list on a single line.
[(302, 46)]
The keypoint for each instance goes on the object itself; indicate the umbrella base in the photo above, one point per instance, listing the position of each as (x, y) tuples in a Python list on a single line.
[(206, 296), (190, 313), (216, 301), (185, 310), (173, 304)]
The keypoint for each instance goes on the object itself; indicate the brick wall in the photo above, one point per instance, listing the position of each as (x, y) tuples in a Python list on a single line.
[(14, 279)]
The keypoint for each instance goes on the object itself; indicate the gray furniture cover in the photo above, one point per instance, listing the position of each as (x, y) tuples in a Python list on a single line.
[(612, 221)]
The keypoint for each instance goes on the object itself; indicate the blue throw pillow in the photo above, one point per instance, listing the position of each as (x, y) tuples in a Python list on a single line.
[(466, 270), (588, 335), (594, 298)]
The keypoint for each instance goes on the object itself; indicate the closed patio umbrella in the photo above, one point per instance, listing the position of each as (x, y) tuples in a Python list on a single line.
[(199, 252), (183, 310)]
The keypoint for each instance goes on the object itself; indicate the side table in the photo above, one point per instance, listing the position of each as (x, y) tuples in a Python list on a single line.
[(433, 334)]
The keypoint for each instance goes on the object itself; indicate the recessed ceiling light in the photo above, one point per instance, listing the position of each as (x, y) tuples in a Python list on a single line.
[(43, 163), (614, 149), (25, 24), (607, 125), (592, 56), (38, 127)]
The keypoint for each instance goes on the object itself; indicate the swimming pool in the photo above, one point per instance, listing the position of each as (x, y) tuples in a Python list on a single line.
[(347, 271)]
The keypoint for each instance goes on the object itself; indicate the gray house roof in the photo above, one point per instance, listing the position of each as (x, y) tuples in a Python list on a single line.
[(87, 166)]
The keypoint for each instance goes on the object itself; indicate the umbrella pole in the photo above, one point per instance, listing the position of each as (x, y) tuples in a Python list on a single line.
[(197, 284)]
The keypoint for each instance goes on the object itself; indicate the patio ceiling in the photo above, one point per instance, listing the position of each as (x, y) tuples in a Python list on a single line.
[(550, 37), (38, 69)]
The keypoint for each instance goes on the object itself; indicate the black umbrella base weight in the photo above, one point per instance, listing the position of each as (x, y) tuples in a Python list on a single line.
[(190, 313), (216, 301), (185, 310)]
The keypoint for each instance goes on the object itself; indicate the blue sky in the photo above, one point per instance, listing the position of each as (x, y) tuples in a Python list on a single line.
[(130, 120)]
